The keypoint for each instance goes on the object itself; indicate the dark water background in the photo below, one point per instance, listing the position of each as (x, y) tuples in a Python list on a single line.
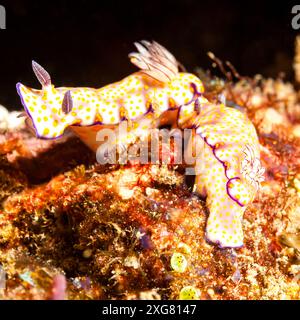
[(86, 43)]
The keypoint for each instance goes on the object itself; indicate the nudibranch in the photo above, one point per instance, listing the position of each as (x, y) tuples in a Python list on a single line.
[(228, 169), (146, 94)]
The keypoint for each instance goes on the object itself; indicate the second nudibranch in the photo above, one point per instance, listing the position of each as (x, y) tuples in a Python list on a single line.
[(228, 169), (227, 166)]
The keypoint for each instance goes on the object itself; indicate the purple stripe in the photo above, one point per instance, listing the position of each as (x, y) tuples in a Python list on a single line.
[(195, 97), (227, 190), (225, 170)]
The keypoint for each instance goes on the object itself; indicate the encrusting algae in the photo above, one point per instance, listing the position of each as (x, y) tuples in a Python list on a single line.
[(74, 229)]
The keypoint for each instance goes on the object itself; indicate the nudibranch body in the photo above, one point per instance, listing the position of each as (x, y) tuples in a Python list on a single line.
[(228, 170), (147, 93), (227, 165)]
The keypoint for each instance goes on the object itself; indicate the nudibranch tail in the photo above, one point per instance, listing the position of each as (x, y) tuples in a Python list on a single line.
[(224, 224)]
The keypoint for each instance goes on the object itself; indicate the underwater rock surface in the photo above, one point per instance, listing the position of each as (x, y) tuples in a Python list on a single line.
[(73, 229)]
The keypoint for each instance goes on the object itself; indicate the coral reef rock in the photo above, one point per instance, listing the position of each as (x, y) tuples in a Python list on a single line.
[(73, 229)]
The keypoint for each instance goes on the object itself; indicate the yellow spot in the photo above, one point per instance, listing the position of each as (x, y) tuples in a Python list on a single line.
[(44, 107), (73, 114), (178, 262), (189, 293), (39, 119), (45, 118), (46, 131), (55, 123)]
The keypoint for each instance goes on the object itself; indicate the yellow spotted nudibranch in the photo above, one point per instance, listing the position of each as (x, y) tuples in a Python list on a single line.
[(228, 169), (146, 94)]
